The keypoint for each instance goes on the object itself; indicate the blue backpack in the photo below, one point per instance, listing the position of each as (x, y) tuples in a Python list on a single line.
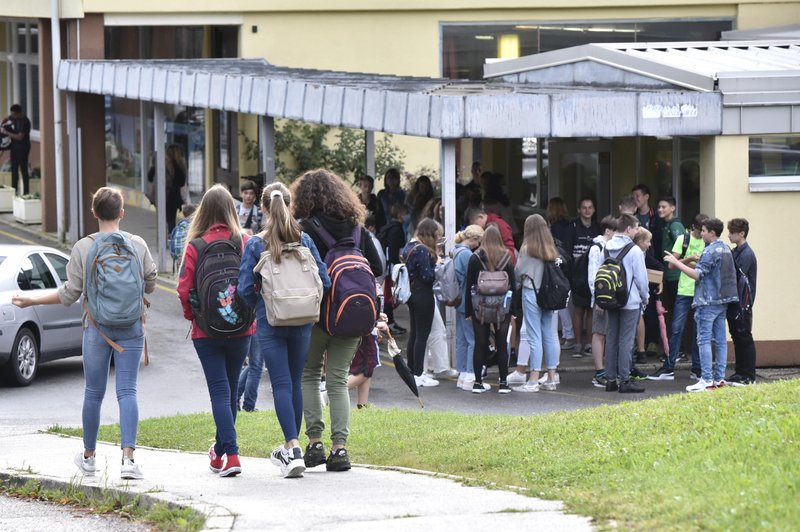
[(114, 281), (177, 239)]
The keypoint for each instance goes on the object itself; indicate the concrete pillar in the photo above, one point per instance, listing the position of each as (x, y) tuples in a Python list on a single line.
[(160, 149), (369, 153), (266, 141), (448, 174), (73, 177)]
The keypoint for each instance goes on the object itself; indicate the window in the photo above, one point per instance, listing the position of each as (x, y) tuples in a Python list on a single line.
[(774, 164), (34, 274), (19, 58), (59, 264)]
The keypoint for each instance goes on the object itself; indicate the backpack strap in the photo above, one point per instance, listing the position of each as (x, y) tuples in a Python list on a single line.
[(625, 251), (685, 243), (503, 262), (323, 233)]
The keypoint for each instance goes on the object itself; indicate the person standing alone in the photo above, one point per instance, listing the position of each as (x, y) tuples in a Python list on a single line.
[(18, 127)]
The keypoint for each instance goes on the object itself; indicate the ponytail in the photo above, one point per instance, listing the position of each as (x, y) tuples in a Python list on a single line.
[(280, 228)]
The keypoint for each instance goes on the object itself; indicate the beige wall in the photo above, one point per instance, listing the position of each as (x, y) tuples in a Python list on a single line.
[(726, 196)]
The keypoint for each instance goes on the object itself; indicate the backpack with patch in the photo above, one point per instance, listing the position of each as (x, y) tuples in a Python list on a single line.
[(221, 311), (446, 287), (177, 239), (490, 301), (291, 288), (611, 287), (350, 308), (553, 291), (580, 274)]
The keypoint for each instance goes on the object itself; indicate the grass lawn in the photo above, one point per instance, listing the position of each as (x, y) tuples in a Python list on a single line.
[(723, 460)]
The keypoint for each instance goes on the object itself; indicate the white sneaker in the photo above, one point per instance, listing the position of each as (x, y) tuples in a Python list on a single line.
[(424, 380), (700, 386), (515, 377), (289, 460), (469, 380), (86, 465), (446, 374), (543, 378), (550, 386), (528, 387), (130, 470)]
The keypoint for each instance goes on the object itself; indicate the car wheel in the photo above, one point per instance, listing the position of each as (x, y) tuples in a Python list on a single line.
[(24, 362)]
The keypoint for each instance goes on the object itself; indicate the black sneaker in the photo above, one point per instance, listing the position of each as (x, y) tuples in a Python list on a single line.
[(630, 387), (503, 388), (640, 357), (739, 380), (599, 380), (338, 460), (611, 386), (396, 329), (662, 374), (637, 374), (290, 461), (315, 454)]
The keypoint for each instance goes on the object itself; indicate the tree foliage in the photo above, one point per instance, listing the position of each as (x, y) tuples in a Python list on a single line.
[(310, 146)]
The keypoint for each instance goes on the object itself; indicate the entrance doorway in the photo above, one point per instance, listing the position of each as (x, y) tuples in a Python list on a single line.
[(579, 169)]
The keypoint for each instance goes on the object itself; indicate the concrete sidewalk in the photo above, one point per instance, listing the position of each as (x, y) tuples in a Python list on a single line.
[(363, 498)]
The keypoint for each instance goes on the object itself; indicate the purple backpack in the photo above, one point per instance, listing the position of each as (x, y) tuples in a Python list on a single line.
[(350, 308)]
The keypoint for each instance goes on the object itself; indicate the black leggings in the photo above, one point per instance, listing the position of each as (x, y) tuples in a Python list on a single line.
[(420, 309), (481, 353)]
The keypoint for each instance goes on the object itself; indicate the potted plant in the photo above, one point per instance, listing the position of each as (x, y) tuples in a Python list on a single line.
[(28, 209), (6, 198)]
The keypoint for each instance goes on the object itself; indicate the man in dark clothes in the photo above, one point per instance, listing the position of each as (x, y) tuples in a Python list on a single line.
[(18, 127), (647, 217), (580, 234), (740, 316)]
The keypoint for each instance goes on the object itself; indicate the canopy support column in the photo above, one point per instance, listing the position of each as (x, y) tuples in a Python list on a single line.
[(159, 149), (266, 139), (369, 153), (72, 176), (448, 173)]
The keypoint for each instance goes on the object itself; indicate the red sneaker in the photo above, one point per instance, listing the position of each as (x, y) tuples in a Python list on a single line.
[(216, 462), (232, 466)]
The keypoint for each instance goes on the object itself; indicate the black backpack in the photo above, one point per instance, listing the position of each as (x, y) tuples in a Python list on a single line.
[(580, 274), (611, 287), (553, 292), (219, 310)]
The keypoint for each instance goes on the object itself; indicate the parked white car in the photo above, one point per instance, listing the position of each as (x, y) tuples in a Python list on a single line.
[(40, 333)]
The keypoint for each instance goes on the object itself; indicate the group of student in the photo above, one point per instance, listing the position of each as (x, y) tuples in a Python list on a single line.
[(220, 290)]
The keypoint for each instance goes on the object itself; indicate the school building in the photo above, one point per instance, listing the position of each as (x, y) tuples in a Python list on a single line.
[(569, 98)]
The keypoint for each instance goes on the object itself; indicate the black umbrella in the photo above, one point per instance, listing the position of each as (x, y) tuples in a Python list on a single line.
[(402, 368)]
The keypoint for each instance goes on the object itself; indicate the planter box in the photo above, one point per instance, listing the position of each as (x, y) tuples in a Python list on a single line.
[(6, 199), (28, 211)]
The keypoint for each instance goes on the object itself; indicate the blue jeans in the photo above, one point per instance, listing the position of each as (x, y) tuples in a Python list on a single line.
[(465, 343), (222, 360), (541, 332), (683, 304), (711, 325), (250, 376), (284, 349), (96, 361)]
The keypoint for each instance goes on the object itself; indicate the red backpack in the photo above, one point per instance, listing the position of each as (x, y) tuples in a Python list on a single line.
[(350, 308)]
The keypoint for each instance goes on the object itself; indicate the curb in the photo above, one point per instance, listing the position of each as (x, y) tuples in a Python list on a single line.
[(217, 517)]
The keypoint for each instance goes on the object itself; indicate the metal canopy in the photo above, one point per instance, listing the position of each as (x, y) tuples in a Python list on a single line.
[(758, 82), (423, 107)]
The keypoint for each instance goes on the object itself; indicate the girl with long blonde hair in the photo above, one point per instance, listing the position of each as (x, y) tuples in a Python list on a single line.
[(221, 358), (466, 242), (538, 247), (284, 348), (492, 255)]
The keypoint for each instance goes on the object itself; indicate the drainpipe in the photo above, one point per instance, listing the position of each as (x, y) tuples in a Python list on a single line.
[(55, 34)]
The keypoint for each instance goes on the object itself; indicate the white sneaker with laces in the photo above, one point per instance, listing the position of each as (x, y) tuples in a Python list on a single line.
[(544, 376), (424, 380), (446, 374), (515, 377), (528, 387), (700, 386), (86, 465), (550, 386), (130, 470)]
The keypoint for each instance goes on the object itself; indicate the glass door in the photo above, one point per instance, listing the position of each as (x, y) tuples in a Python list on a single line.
[(579, 169)]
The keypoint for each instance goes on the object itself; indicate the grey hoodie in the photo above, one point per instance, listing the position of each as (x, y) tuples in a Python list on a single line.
[(635, 271)]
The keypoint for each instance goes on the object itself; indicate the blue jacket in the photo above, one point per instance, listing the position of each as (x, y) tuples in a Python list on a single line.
[(461, 261), (420, 263), (717, 282), (247, 279)]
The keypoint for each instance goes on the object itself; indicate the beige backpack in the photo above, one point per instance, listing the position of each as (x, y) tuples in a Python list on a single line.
[(292, 289)]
